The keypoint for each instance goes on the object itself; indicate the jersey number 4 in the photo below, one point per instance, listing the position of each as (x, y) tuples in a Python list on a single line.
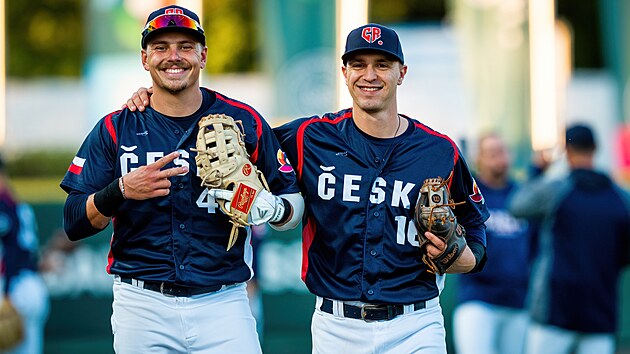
[(205, 201)]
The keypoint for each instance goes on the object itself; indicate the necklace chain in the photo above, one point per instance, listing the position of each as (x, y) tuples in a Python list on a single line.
[(398, 127)]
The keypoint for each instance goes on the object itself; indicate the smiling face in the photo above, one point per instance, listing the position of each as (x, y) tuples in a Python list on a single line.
[(372, 79), (174, 60)]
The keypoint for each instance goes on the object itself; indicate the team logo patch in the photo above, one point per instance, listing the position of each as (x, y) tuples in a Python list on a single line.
[(77, 165), (247, 169), (371, 34), (476, 197), (285, 165), (173, 11)]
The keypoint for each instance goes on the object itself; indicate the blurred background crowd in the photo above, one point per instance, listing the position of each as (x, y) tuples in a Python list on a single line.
[(521, 69)]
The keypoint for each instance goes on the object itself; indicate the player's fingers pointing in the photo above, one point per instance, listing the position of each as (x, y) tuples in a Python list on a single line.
[(170, 172), (159, 164)]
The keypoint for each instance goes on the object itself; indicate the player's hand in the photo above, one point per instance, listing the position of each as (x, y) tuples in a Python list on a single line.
[(139, 100), (435, 247), (266, 208), (152, 180)]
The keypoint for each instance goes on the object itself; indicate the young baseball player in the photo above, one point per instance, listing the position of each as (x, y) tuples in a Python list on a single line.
[(360, 171), (176, 288)]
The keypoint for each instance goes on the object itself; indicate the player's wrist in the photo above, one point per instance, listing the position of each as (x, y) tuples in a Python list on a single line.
[(109, 199), (121, 186), (282, 211)]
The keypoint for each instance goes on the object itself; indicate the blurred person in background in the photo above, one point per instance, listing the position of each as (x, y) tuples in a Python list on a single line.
[(584, 243), (23, 284), (490, 317), (56, 252), (177, 287)]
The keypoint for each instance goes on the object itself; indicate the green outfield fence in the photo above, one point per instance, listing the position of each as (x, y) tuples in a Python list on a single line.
[(79, 320)]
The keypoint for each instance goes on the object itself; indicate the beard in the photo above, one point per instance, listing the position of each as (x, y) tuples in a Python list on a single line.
[(168, 85), (173, 87)]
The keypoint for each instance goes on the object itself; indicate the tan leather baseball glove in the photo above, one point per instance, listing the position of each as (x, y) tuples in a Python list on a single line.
[(223, 164), (11, 326), (434, 213)]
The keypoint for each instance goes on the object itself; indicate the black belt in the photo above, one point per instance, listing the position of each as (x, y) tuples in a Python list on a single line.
[(171, 289), (371, 312)]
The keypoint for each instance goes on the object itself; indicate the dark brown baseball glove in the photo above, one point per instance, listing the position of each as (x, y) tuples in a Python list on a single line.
[(434, 213)]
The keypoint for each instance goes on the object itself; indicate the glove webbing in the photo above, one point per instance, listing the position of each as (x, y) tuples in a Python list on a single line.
[(450, 204)]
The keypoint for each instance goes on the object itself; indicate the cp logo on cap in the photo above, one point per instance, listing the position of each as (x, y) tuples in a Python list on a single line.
[(371, 34), (172, 11)]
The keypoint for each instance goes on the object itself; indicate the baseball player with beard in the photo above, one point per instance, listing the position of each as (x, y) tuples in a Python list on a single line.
[(360, 171), (176, 288)]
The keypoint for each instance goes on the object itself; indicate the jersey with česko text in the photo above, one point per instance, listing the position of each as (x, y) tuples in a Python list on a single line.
[(181, 237), (359, 241)]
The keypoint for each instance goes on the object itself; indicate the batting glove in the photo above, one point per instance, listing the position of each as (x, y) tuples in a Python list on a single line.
[(266, 207)]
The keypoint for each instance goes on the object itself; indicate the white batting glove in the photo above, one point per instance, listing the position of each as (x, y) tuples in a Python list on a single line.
[(266, 207)]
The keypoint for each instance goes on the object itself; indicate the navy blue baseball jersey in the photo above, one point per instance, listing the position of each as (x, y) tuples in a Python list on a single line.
[(505, 277), (170, 238), (359, 241), (9, 229)]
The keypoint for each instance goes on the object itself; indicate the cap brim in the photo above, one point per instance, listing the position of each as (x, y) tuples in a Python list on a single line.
[(346, 55)]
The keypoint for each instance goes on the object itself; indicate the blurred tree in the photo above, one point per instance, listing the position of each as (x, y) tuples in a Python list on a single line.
[(231, 36), (44, 38), (389, 11), (47, 37), (584, 19)]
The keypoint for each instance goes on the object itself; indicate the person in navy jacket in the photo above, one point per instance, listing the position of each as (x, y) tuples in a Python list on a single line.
[(19, 258), (490, 316), (584, 245)]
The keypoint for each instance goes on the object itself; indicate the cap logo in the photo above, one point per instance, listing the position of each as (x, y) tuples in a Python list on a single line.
[(371, 34), (173, 11)]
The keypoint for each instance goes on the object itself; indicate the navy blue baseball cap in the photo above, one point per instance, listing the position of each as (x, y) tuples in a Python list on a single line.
[(172, 18), (581, 137), (373, 37)]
